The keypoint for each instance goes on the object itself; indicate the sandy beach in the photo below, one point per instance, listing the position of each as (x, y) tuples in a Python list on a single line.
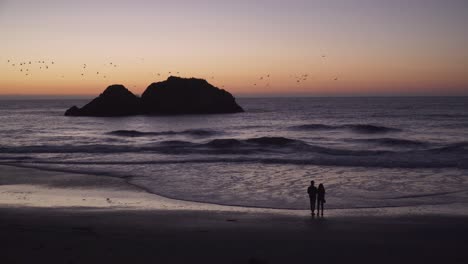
[(58, 217)]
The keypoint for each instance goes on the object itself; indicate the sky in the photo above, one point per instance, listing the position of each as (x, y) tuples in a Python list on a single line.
[(294, 47)]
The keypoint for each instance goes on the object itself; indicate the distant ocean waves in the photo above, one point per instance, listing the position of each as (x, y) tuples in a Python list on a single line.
[(263, 150), (191, 132), (357, 128)]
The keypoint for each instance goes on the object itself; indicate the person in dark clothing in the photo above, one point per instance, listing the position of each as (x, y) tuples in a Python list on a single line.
[(320, 198), (312, 191)]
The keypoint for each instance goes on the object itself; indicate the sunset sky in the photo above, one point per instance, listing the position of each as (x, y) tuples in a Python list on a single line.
[(368, 47)]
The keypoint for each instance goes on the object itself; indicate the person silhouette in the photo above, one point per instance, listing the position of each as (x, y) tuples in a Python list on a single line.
[(312, 191), (320, 198)]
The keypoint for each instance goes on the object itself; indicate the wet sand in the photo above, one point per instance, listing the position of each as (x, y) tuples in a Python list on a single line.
[(54, 217)]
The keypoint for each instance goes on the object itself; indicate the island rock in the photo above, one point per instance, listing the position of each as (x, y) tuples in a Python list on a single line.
[(174, 96), (116, 100), (187, 96)]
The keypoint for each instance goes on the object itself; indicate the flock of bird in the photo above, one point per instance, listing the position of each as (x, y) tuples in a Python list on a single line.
[(27, 67), (263, 79), (104, 76)]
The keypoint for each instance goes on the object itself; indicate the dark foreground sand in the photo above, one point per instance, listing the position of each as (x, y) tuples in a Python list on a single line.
[(33, 233)]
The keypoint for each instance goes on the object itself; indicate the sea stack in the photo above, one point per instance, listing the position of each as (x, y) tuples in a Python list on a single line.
[(187, 96), (175, 96), (116, 100)]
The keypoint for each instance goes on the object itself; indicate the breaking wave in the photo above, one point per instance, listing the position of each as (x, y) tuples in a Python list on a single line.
[(356, 128), (391, 142), (190, 132), (270, 150), (389, 161)]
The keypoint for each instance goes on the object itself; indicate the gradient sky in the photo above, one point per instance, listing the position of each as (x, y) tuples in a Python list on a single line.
[(368, 47)]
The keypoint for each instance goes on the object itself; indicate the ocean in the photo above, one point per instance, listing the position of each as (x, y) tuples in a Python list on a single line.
[(369, 152)]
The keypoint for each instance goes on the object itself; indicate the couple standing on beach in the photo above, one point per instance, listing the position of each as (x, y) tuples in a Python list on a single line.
[(316, 194)]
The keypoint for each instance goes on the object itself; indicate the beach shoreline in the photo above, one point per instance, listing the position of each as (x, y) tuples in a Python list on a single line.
[(23, 185), (67, 218)]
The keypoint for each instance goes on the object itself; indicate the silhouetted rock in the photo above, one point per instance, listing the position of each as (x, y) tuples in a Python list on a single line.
[(116, 100), (73, 111), (173, 96), (187, 96)]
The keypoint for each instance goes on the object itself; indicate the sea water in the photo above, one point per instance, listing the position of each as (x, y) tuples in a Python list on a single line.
[(368, 152)]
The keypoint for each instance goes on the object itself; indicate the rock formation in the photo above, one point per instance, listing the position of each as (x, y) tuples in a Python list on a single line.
[(187, 96), (116, 100), (171, 97)]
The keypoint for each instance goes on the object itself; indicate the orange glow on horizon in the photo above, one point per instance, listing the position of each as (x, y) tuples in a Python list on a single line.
[(324, 77), (342, 50)]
